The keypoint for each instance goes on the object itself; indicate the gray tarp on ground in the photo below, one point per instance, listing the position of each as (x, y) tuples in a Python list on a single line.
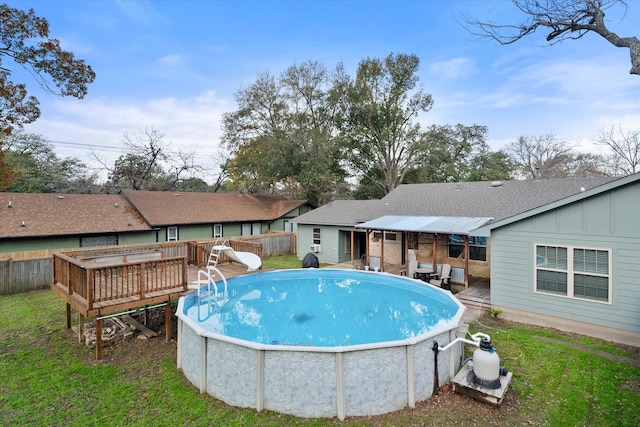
[(426, 224)]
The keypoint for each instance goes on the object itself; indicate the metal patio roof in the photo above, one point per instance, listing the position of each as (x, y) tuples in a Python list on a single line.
[(426, 224)]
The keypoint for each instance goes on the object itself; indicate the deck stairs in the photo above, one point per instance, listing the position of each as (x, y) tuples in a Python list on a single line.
[(477, 295)]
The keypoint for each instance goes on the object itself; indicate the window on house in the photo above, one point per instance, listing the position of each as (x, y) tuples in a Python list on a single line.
[(250, 229), (573, 272), (98, 241), (172, 234), (377, 235), (477, 247), (316, 236), (217, 230), (390, 237)]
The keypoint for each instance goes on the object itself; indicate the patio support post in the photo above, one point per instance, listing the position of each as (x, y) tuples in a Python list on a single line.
[(435, 253), (366, 245), (352, 246), (382, 251), (466, 261)]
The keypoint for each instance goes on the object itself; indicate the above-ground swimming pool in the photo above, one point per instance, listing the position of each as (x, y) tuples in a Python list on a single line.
[(319, 342)]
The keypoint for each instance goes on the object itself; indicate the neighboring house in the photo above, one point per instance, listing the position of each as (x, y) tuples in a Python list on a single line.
[(574, 262), (32, 221), (191, 216), (433, 221)]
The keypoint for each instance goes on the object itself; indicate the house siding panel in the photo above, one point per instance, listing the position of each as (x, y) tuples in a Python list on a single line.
[(600, 222), (194, 232), (330, 240)]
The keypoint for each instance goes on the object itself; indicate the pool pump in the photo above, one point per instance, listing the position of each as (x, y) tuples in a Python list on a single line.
[(482, 377), (486, 366)]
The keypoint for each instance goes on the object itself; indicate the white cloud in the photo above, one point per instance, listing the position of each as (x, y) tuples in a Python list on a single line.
[(189, 125), (173, 59), (454, 68)]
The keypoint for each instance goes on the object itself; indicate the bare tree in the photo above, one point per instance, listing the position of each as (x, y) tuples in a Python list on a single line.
[(563, 20), (148, 165), (546, 156), (625, 146)]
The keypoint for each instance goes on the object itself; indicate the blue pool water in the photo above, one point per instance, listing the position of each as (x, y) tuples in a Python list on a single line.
[(321, 307)]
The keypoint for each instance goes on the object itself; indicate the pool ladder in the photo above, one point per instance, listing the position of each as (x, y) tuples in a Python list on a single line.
[(206, 283)]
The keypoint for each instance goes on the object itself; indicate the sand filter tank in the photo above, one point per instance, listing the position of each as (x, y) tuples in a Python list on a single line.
[(486, 365)]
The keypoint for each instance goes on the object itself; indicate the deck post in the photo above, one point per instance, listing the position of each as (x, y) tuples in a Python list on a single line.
[(68, 316), (98, 338), (80, 327), (167, 320)]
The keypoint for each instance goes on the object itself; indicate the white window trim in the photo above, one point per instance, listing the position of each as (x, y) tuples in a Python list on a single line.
[(169, 239), (570, 273), (217, 235)]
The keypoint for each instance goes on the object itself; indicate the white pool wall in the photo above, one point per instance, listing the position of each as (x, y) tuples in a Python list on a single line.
[(317, 382)]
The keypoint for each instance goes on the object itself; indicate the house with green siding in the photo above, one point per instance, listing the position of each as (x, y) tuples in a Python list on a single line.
[(46, 221), (573, 264), (431, 222), (33, 221), (191, 216), (563, 253)]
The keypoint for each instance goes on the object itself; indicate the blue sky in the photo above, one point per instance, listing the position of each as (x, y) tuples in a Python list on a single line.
[(176, 65)]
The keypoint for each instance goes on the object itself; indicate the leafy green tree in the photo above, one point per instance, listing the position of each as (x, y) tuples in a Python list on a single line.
[(487, 165), (39, 170), (458, 153), (283, 135), (25, 42), (194, 184), (378, 120)]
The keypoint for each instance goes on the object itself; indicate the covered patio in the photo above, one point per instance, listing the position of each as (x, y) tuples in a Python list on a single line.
[(416, 234)]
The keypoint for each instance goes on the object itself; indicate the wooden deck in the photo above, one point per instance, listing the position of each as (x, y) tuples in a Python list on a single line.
[(105, 282), (478, 294)]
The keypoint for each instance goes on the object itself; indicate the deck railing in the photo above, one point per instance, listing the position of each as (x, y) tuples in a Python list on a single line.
[(93, 278), (199, 251)]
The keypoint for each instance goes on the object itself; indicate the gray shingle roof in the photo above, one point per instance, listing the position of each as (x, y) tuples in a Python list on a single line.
[(342, 212), (465, 199)]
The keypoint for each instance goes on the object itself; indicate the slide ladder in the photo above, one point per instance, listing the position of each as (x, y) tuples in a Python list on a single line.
[(216, 250)]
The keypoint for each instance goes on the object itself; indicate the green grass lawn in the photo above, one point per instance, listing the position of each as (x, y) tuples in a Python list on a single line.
[(48, 378)]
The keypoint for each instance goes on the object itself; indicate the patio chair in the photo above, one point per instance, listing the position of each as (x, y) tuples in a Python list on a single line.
[(413, 265), (442, 280)]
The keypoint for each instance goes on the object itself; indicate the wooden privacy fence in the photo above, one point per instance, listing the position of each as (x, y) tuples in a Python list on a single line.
[(272, 244), (24, 275)]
